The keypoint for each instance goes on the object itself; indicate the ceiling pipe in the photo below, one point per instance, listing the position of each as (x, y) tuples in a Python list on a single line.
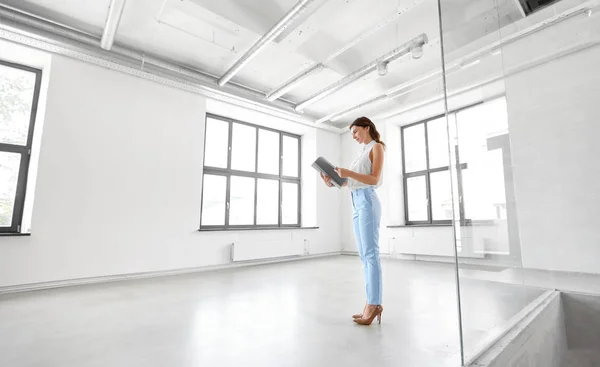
[(115, 11), (491, 49), (287, 86), (275, 31), (290, 84), (415, 43), (32, 31)]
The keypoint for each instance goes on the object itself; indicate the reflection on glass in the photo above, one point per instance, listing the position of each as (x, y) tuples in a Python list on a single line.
[(441, 195), (9, 176), (217, 140), (479, 123), (483, 188), (267, 202), (16, 99), (414, 148), (290, 156), (437, 136), (243, 148), (268, 152), (241, 211), (416, 190), (213, 200), (289, 201)]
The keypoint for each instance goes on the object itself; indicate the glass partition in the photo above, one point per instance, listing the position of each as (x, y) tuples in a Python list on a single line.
[(520, 85)]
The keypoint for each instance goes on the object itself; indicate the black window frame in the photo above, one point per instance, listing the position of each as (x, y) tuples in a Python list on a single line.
[(427, 172), (23, 150), (228, 172)]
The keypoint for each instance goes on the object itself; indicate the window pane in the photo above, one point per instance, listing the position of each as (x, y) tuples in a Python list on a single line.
[(483, 188), (414, 148), (290, 156), (441, 195), (289, 193), (214, 194), (416, 190), (437, 136), (267, 202), (243, 148), (9, 177), (16, 99), (217, 140), (268, 152), (241, 211), (477, 124)]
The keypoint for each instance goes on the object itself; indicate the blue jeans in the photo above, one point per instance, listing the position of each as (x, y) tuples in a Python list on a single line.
[(366, 218)]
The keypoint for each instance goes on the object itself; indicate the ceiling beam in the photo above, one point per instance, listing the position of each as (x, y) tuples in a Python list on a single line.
[(275, 31)]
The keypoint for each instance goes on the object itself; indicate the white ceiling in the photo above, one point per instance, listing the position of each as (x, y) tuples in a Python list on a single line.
[(210, 35)]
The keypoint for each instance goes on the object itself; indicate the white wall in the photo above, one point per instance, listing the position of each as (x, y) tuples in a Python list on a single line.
[(554, 129), (119, 184)]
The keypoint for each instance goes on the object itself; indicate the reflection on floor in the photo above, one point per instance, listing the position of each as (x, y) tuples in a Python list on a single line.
[(287, 314)]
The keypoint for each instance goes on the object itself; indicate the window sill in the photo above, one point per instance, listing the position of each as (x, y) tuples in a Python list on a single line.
[(469, 224), (15, 234), (254, 229), (419, 225)]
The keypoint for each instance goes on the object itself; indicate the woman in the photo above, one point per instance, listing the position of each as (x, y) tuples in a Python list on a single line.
[(364, 176)]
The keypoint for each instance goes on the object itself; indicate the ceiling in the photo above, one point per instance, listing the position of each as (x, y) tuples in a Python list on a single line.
[(210, 35)]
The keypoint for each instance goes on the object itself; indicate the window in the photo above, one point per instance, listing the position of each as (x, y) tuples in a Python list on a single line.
[(251, 176), (19, 92), (475, 138)]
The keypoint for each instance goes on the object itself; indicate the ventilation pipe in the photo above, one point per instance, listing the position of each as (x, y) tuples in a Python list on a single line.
[(115, 11), (277, 29)]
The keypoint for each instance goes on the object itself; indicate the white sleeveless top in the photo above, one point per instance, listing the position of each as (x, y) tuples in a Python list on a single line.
[(362, 164)]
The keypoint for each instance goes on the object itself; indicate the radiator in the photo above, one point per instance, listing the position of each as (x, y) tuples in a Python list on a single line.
[(259, 250)]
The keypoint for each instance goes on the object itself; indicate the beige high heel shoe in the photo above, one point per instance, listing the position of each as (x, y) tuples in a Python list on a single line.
[(376, 314)]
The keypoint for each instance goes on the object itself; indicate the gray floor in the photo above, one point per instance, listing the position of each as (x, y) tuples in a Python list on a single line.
[(287, 314)]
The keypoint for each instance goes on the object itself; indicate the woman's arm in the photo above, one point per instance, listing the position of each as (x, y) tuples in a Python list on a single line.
[(377, 164)]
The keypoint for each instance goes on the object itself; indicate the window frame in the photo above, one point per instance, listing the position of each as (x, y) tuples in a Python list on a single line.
[(23, 150), (427, 172), (228, 172)]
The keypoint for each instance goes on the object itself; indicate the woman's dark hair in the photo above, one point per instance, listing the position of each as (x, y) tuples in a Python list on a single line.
[(366, 122)]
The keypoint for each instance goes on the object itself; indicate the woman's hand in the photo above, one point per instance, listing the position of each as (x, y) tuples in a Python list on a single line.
[(344, 173), (327, 179)]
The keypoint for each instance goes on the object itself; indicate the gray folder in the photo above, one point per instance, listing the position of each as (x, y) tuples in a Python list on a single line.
[(322, 165)]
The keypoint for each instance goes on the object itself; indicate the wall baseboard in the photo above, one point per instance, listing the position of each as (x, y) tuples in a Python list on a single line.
[(153, 274)]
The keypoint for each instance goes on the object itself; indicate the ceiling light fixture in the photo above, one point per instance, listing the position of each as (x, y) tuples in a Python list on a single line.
[(416, 51), (382, 68)]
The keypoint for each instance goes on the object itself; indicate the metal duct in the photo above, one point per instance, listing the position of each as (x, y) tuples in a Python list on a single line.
[(115, 11), (293, 82), (367, 69), (75, 41), (277, 29)]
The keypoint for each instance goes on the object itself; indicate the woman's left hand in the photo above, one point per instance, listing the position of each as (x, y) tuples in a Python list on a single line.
[(344, 173)]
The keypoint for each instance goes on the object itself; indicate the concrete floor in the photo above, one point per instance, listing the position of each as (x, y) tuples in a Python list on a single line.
[(287, 314)]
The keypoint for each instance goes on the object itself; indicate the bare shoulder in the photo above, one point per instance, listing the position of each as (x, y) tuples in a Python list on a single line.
[(378, 148)]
